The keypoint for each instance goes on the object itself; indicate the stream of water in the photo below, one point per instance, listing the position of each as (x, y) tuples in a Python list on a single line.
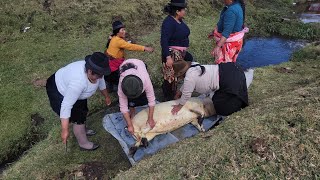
[(258, 52)]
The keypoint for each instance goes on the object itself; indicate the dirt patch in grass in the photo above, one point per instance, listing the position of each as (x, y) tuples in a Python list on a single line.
[(90, 171), (39, 82), (260, 147), (36, 119), (93, 170), (47, 5), (284, 70), (3, 40)]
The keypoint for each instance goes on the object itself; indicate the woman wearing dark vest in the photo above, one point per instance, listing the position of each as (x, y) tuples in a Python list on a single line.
[(226, 80), (68, 90), (229, 32), (174, 43), (115, 51)]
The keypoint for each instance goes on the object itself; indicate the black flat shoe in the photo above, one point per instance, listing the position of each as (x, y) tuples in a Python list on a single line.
[(94, 147)]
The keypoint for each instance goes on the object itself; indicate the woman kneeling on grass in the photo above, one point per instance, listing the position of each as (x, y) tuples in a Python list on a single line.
[(135, 89), (68, 90), (115, 51), (226, 80)]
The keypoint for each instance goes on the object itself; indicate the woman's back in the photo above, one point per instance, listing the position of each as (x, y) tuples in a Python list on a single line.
[(231, 20)]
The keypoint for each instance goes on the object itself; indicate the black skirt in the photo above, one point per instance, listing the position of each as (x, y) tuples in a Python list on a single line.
[(232, 95), (79, 110)]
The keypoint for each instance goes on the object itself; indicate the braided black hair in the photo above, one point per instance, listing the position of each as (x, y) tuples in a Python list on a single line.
[(203, 69), (114, 33), (127, 66), (172, 10)]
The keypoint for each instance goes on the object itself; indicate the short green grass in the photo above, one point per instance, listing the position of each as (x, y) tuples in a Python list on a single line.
[(69, 30), (286, 118)]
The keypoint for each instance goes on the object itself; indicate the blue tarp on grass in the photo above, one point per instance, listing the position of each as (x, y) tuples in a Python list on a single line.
[(115, 124)]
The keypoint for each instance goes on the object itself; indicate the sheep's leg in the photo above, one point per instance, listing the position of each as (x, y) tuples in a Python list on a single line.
[(195, 122), (200, 120), (144, 142), (150, 136), (132, 151), (138, 140)]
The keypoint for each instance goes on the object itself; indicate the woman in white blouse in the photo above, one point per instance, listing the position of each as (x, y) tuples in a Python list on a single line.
[(226, 80), (68, 90)]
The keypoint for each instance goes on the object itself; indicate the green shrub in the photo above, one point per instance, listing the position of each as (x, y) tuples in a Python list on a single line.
[(311, 52)]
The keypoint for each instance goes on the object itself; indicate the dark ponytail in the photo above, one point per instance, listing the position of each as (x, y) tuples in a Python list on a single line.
[(243, 6), (127, 66), (167, 9), (203, 69), (114, 33)]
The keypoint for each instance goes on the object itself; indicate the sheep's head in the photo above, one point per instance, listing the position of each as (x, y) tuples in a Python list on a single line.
[(208, 107)]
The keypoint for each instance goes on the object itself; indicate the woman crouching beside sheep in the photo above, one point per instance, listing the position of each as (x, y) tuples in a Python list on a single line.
[(226, 80)]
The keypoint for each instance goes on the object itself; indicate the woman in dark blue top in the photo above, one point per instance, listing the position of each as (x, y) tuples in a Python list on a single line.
[(229, 32), (174, 43)]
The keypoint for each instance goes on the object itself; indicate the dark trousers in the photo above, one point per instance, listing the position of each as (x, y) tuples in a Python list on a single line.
[(232, 95), (79, 110), (226, 103)]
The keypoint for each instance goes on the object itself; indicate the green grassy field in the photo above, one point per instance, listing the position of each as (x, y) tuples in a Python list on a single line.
[(64, 31), (277, 137)]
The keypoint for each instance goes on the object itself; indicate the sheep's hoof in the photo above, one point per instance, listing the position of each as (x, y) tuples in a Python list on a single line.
[(200, 120), (144, 142), (132, 151)]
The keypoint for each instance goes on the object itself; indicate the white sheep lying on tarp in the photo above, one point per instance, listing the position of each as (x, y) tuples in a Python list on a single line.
[(192, 112)]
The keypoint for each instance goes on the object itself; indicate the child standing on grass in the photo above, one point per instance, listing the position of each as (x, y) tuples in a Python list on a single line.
[(115, 51)]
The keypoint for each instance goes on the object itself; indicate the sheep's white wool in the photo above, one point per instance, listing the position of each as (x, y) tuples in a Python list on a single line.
[(166, 122)]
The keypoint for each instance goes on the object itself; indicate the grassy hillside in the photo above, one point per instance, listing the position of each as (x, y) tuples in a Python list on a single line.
[(63, 31), (276, 137), (60, 32)]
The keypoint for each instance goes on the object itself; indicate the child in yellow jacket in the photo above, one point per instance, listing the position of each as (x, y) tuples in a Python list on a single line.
[(115, 50)]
